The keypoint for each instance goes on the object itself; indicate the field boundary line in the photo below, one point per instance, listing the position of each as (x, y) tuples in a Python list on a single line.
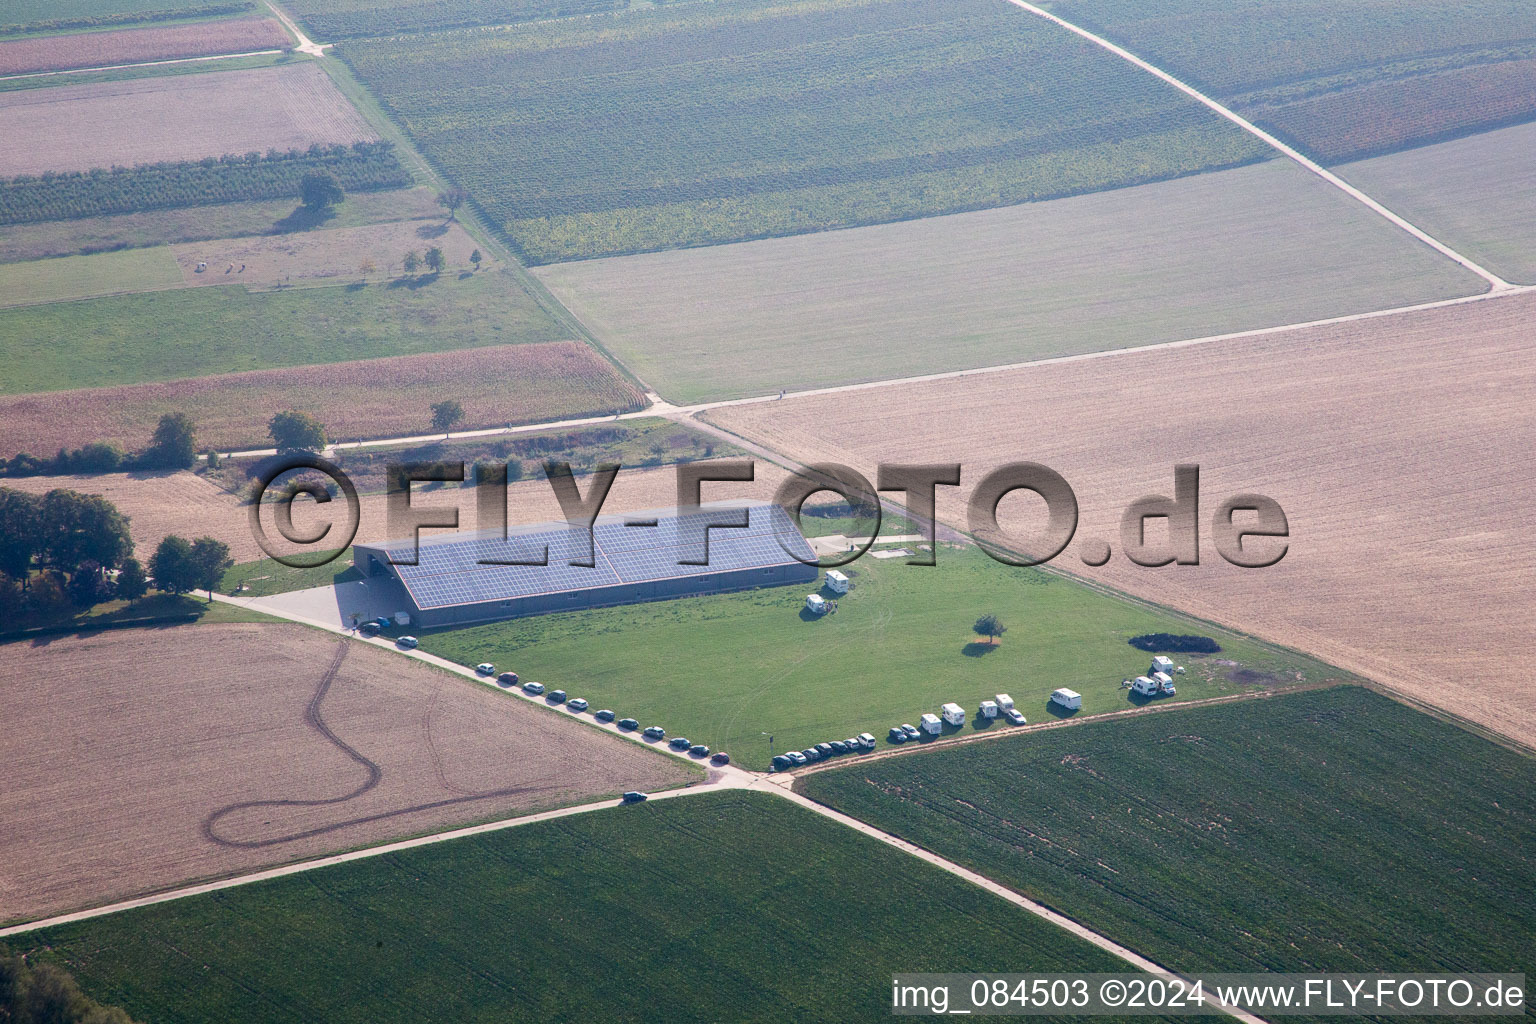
[(1497, 283), (141, 64)]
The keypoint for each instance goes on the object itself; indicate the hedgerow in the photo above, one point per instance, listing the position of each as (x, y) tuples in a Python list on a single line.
[(363, 166)]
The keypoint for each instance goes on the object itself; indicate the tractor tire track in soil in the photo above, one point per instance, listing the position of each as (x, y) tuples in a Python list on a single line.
[(314, 719)]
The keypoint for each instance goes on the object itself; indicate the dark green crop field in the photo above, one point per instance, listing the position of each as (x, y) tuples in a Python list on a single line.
[(718, 907), (346, 19), (717, 122), (1342, 79), (1332, 830)]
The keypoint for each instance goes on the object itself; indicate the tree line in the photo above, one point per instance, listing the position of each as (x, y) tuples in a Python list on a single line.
[(65, 550), (360, 167), (45, 994), (173, 446)]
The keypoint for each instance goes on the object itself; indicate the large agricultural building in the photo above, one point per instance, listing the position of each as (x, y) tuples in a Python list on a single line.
[(635, 558)]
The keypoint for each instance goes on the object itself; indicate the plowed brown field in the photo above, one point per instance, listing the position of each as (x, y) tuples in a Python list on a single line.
[(136, 45), (140, 759), (1400, 449), (364, 398)]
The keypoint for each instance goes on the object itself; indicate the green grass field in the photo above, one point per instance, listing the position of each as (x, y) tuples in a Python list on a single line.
[(346, 19), (192, 332), (702, 123), (719, 907), (23, 12), (1328, 831), (726, 670), (1341, 79), (1210, 254), (78, 277)]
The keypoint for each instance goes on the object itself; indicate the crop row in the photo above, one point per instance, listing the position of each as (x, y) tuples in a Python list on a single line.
[(363, 166), (212, 10), (350, 19), (738, 114)]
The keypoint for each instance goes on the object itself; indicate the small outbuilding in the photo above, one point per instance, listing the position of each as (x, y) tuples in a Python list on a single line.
[(837, 582), (1069, 699)]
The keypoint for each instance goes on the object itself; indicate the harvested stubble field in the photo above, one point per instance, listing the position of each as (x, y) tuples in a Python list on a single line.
[(265, 261), (1239, 249), (1476, 194), (496, 386), (1325, 831), (139, 759), (21, 242), (1392, 444), (693, 124), (31, 12), (178, 117), (194, 332), (100, 49), (1342, 79), (189, 504)]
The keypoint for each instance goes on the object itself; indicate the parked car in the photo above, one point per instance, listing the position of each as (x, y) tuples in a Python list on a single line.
[(698, 750), (603, 716), (576, 704), (824, 749), (533, 689), (654, 732), (628, 723), (911, 731), (485, 668), (721, 758), (679, 743), (408, 642), (1014, 715), (781, 762), (556, 697), (369, 629), (897, 735), (866, 740), (507, 679), (812, 755), (853, 744), (838, 747), (633, 797), (796, 758)]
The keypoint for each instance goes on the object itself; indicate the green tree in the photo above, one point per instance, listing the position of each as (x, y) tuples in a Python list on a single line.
[(475, 258), (445, 414), (173, 445), (210, 561), (434, 260), (81, 530), (412, 262), (451, 200), (989, 626), (294, 429), (319, 190), (21, 528), (132, 583), (172, 566)]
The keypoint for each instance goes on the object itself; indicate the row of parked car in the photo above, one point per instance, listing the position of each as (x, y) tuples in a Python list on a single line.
[(577, 705), (822, 751)]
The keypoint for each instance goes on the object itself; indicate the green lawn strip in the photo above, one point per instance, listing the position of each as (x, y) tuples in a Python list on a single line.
[(193, 332), (729, 669), (722, 906), (155, 610), (1330, 830)]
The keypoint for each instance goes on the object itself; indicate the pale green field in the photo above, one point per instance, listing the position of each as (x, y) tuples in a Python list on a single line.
[(1477, 195), (1233, 250), (82, 277)]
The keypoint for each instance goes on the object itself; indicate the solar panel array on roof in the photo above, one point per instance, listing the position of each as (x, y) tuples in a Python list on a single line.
[(451, 571)]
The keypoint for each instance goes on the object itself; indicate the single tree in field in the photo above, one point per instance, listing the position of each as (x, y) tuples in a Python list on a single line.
[(412, 262), (990, 627), (475, 258), (434, 260), (210, 560), (173, 445), (172, 566), (451, 200), (294, 429), (131, 582), (319, 190), (445, 414)]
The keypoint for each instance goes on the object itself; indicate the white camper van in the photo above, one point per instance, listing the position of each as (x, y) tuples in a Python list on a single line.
[(930, 724), (837, 582), (815, 604), (1144, 687), (954, 714), (1069, 699), (988, 709), (1161, 663), (1004, 701)]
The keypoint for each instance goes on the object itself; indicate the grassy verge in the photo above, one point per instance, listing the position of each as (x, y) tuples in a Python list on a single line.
[(158, 70), (722, 906), (155, 610), (1333, 830), (267, 577), (731, 670)]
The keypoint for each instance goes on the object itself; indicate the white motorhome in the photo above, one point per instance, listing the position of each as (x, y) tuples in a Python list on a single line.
[(837, 582), (1004, 701), (1145, 687), (930, 724), (1164, 683), (815, 604), (1161, 663), (1069, 699), (988, 709), (952, 713)]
